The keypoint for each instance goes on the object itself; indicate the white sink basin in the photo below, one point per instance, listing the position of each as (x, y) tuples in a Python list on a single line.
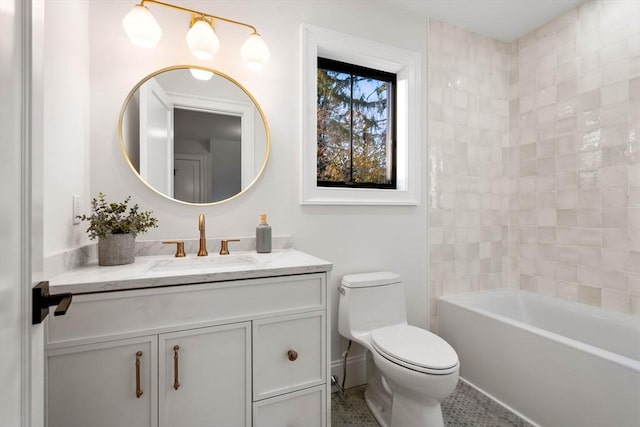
[(207, 263)]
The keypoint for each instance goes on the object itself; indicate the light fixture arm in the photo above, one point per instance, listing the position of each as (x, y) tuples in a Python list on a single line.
[(197, 12)]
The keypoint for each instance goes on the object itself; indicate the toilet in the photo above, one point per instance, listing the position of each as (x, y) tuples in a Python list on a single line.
[(409, 370)]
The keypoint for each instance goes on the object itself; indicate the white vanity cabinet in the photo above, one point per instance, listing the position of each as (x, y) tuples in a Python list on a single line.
[(226, 354)]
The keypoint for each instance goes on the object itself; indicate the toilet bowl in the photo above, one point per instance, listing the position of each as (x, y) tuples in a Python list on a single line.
[(409, 370)]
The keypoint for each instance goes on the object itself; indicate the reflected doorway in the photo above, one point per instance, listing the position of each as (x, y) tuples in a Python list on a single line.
[(207, 155)]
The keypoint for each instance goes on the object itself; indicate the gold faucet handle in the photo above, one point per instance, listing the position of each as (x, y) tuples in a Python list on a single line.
[(224, 247), (179, 247)]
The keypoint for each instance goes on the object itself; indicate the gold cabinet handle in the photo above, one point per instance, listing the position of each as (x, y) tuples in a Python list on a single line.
[(138, 389), (292, 355), (176, 383)]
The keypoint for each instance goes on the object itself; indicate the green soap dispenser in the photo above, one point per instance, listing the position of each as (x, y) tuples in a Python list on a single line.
[(263, 235)]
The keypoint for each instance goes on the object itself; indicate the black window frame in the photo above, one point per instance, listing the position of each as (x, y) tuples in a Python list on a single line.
[(391, 78)]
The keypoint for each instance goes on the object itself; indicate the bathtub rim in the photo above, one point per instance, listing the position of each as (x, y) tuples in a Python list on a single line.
[(623, 318)]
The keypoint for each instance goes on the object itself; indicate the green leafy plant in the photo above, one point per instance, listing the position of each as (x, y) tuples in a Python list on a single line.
[(113, 218)]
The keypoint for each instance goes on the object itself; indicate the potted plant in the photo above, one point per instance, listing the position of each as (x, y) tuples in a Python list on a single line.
[(116, 226)]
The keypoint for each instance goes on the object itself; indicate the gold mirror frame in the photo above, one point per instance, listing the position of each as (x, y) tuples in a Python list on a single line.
[(215, 73)]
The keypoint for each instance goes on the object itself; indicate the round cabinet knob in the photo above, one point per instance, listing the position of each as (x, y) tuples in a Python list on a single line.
[(292, 355)]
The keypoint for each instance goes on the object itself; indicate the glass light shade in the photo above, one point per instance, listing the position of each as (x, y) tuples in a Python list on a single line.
[(141, 27), (201, 74), (202, 40), (254, 52)]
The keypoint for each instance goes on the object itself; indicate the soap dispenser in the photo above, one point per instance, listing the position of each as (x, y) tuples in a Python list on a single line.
[(263, 235)]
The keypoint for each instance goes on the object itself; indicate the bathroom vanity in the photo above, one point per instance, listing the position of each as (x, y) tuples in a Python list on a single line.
[(225, 341)]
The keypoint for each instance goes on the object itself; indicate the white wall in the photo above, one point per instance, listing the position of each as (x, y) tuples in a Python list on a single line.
[(66, 122), (353, 238)]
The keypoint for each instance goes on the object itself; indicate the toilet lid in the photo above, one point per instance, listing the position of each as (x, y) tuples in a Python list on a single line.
[(415, 348)]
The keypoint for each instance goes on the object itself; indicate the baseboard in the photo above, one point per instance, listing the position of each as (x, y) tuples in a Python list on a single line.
[(356, 371)]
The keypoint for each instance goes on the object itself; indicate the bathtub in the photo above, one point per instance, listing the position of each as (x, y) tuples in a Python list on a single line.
[(555, 363)]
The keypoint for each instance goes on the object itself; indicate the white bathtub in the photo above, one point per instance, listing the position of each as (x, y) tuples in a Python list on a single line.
[(556, 363)]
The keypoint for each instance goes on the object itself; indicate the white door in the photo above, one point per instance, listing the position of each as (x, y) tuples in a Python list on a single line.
[(156, 137), (190, 178), (205, 377), (21, 357)]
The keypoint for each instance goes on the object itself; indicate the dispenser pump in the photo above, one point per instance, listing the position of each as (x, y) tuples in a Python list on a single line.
[(263, 235)]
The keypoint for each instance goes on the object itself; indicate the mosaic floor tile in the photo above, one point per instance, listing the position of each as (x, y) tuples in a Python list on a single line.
[(466, 407)]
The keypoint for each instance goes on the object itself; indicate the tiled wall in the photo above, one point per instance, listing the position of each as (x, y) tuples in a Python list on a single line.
[(575, 156), (468, 133), (534, 159)]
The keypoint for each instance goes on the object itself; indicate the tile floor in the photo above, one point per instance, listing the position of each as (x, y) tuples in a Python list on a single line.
[(466, 407)]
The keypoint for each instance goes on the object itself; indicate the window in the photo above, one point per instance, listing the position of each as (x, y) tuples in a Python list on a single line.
[(356, 126), (398, 173)]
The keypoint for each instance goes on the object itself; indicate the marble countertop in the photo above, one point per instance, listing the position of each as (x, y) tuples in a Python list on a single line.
[(163, 270)]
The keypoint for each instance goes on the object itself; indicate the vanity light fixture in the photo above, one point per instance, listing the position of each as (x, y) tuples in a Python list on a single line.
[(144, 31), (201, 38)]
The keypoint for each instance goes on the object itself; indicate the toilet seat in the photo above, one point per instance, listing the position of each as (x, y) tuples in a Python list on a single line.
[(415, 348)]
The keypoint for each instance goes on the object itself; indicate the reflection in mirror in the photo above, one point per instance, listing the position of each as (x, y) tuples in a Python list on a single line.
[(194, 140)]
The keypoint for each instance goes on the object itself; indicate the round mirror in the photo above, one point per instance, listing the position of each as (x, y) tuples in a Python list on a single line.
[(194, 135)]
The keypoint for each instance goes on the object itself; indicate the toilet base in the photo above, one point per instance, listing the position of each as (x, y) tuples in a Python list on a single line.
[(377, 398), (405, 413), (377, 408), (399, 410), (408, 412)]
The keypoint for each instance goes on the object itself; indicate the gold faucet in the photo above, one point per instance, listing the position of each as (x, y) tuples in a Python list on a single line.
[(203, 238)]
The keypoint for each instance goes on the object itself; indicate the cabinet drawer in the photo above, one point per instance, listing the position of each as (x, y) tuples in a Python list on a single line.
[(288, 353), (305, 408)]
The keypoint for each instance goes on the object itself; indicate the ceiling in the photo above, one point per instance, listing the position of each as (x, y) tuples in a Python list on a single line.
[(504, 20)]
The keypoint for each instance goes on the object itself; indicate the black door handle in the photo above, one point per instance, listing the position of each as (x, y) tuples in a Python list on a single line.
[(42, 300)]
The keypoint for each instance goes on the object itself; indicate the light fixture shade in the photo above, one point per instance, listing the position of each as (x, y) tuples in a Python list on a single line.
[(254, 52), (141, 27), (199, 74), (202, 40)]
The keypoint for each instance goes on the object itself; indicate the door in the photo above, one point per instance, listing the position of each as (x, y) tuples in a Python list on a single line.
[(103, 385), (21, 372), (189, 180), (205, 377), (156, 137)]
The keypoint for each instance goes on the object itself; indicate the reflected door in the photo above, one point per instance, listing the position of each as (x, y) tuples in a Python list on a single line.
[(188, 182), (156, 137)]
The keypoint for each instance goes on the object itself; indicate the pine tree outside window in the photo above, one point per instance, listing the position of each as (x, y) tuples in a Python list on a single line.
[(356, 126)]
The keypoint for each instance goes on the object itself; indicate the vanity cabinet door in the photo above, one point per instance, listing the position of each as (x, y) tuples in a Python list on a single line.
[(205, 377), (111, 384)]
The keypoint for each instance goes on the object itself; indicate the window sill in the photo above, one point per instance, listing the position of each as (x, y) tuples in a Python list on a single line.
[(358, 196)]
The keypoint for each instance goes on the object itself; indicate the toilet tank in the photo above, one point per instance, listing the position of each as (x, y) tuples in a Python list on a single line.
[(370, 301)]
